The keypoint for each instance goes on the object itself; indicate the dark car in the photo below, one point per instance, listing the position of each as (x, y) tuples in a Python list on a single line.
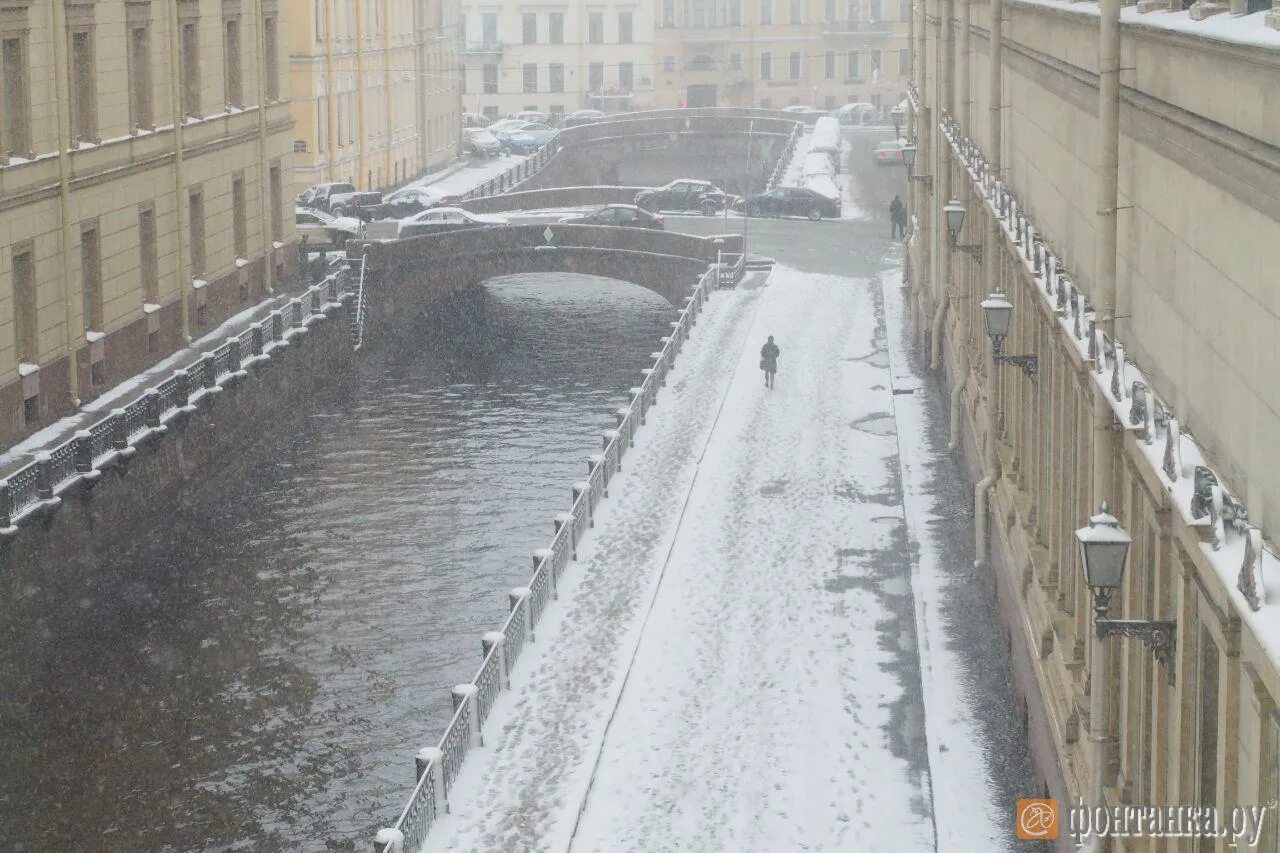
[(321, 196), (626, 215), (791, 201), (684, 194)]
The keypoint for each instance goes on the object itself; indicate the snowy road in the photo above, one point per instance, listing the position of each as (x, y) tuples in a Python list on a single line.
[(727, 675)]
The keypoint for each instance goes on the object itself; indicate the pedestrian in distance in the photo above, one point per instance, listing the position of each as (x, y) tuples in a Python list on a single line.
[(897, 219), (769, 361)]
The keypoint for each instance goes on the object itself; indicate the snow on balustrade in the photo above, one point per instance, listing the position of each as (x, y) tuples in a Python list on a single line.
[(1249, 570), (503, 648)]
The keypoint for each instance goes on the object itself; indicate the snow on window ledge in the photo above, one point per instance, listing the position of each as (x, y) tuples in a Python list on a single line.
[(198, 284), (150, 308), (241, 262), (25, 369), (93, 337)]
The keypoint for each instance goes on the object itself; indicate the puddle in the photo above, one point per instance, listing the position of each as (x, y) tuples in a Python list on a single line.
[(877, 424)]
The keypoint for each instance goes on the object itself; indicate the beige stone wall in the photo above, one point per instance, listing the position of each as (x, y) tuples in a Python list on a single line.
[(376, 90), (124, 166), (1198, 187), (864, 28)]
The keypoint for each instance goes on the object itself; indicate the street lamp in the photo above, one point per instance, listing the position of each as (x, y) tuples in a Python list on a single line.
[(909, 160), (897, 124), (1104, 547), (955, 219), (998, 314)]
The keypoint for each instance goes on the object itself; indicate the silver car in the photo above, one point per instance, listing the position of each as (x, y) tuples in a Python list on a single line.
[(323, 229)]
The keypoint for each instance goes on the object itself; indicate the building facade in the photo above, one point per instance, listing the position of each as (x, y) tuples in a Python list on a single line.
[(1125, 203), (144, 170), (552, 57), (375, 90), (778, 53)]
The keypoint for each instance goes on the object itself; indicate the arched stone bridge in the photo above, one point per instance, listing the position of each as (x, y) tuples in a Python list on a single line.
[(416, 272)]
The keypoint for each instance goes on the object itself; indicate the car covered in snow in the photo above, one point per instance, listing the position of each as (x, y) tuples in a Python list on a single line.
[(324, 229), (407, 201), (481, 142), (624, 215), (433, 221), (684, 194), (578, 117), (890, 152)]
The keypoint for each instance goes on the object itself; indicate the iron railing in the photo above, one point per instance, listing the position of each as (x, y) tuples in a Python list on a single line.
[(438, 768), (517, 174), (39, 482), (784, 159)]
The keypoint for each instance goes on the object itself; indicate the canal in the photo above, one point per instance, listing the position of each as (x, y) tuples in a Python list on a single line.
[(258, 674)]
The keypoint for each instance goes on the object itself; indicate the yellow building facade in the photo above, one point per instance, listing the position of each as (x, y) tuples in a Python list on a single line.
[(376, 90), (144, 160), (778, 53)]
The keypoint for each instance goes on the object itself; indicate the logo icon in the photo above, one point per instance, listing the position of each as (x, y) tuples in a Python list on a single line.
[(1037, 820)]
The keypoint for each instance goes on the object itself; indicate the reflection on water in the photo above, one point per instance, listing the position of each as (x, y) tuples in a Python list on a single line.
[(260, 674)]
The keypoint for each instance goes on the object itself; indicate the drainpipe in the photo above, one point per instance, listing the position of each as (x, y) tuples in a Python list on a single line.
[(957, 396), (935, 338), (179, 171), (264, 166), (64, 192), (962, 67), (1104, 299), (995, 96), (940, 268), (990, 465)]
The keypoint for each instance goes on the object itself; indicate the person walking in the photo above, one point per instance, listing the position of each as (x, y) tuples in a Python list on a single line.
[(897, 219), (769, 361)]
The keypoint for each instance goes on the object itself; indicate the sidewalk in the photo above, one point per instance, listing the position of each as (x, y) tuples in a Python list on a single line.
[(725, 669)]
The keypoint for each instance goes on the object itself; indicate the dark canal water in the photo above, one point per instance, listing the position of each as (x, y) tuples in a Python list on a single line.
[(259, 674)]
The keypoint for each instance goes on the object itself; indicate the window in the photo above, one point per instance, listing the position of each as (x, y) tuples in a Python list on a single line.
[(26, 332), (875, 10), (557, 77), (529, 27), (195, 231), (239, 227), (766, 11), (555, 27), (277, 202), (490, 79), (904, 61), (829, 64), (735, 13), (147, 255), (626, 76), (624, 28), (231, 62), (1206, 782), (875, 62), (766, 66), (140, 77), (530, 77), (830, 102), (668, 64), (84, 119), (15, 133), (851, 62), (91, 276), (490, 111), (489, 28), (797, 11), (766, 103), (595, 76), (339, 99), (318, 14), (904, 10), (190, 70), (735, 62), (668, 13), (793, 65), (271, 60), (595, 27), (829, 10)]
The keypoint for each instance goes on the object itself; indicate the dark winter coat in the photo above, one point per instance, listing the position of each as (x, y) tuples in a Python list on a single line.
[(769, 358), (897, 211)]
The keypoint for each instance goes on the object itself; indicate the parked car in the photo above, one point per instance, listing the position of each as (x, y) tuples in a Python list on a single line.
[(366, 206), (480, 142), (322, 229), (625, 215), (407, 201), (857, 113), (578, 117), (541, 133), (534, 116), (504, 123), (320, 196), (431, 221), (792, 201), (801, 108), (517, 141), (474, 120), (889, 153), (684, 194)]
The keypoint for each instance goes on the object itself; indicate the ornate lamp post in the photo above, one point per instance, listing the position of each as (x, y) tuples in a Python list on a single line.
[(909, 160), (955, 212), (998, 314), (1104, 548), (897, 124)]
